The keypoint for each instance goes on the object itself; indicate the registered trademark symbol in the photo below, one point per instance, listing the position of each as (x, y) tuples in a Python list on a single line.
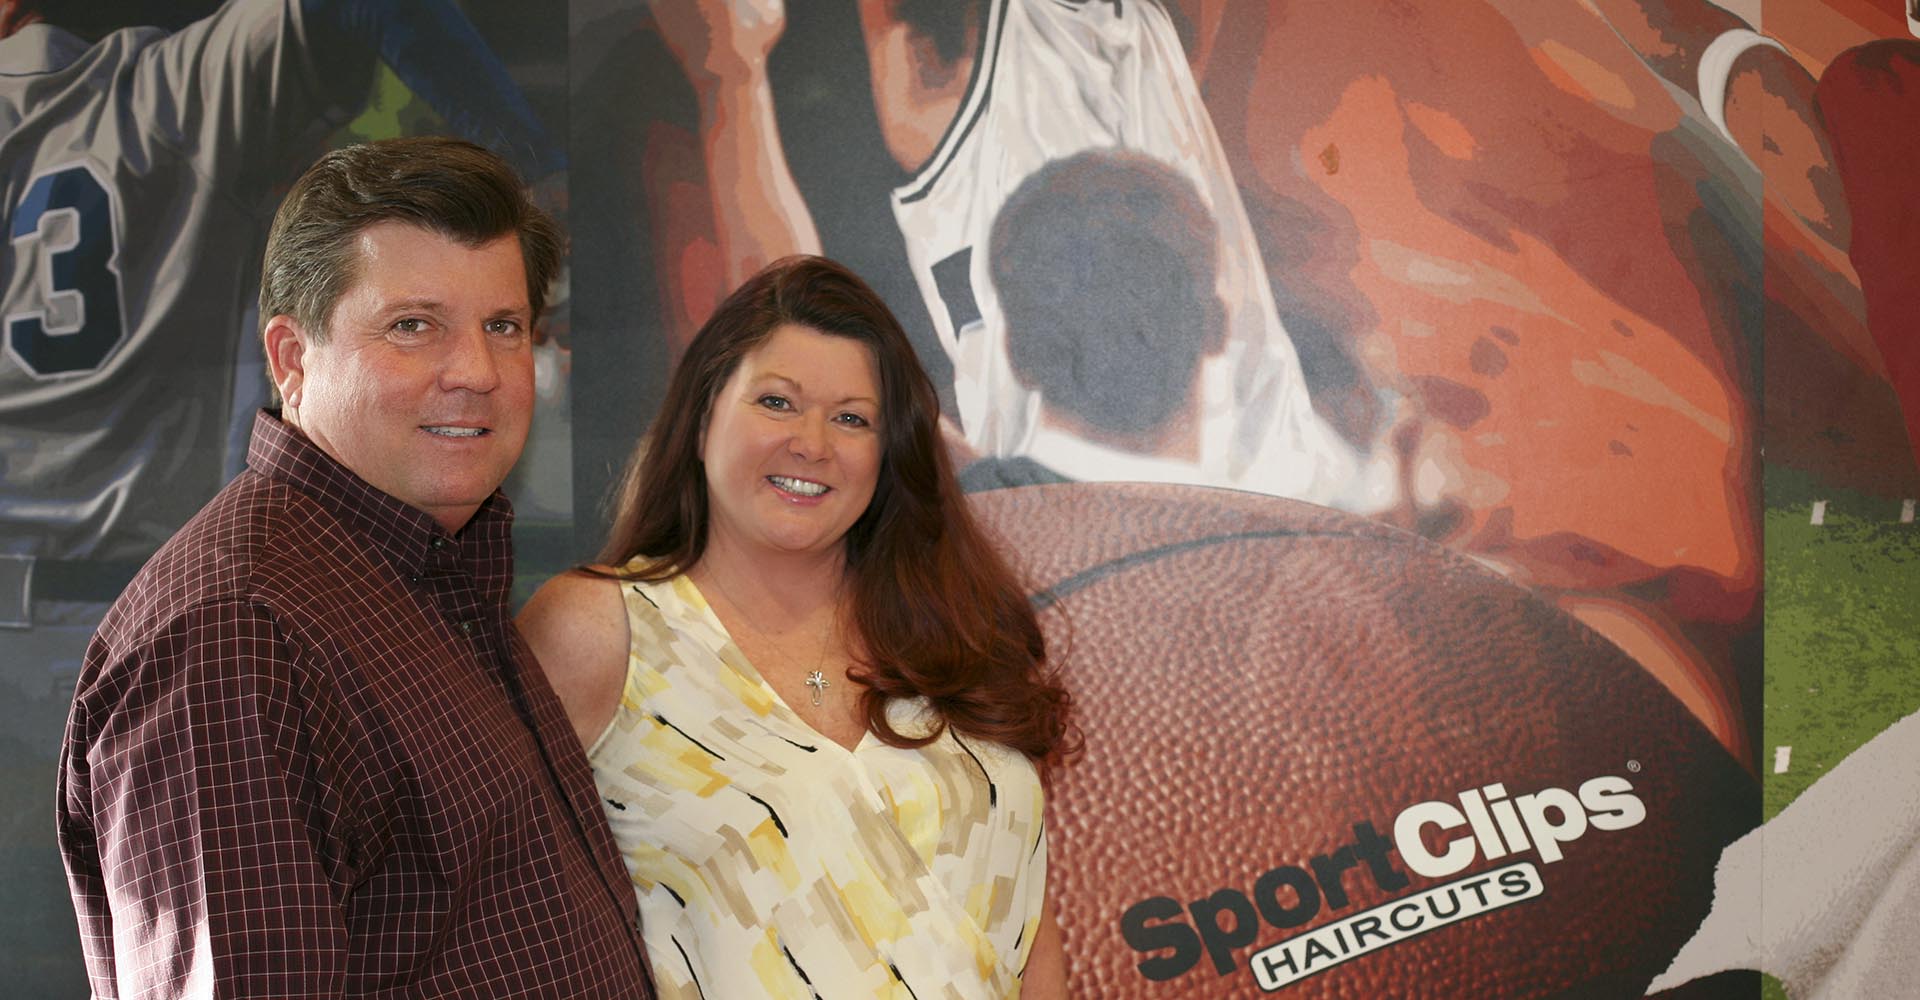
[(1633, 766)]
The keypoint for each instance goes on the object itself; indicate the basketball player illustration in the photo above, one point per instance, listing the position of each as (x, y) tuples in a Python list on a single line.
[(1049, 80), (1024, 83)]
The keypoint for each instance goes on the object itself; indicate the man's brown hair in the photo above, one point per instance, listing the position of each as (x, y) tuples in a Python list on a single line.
[(446, 186)]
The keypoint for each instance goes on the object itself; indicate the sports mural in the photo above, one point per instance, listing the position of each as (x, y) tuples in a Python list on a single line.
[(1533, 281), (1374, 393)]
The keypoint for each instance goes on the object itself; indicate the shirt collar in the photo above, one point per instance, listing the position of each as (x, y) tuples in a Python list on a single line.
[(1079, 459), (406, 536)]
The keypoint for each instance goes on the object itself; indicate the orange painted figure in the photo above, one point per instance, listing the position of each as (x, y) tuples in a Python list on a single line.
[(1525, 219)]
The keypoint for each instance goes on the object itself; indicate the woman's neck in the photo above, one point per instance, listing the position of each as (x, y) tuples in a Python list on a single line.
[(777, 590)]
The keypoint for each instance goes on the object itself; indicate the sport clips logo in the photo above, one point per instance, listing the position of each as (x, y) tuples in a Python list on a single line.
[(1482, 823)]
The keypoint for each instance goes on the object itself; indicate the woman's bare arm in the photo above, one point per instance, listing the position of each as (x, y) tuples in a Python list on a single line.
[(577, 626)]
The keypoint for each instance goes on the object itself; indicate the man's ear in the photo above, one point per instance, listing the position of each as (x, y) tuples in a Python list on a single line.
[(286, 346)]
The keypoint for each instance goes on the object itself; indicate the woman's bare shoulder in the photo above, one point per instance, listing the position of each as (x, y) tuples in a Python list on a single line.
[(576, 624), (577, 600)]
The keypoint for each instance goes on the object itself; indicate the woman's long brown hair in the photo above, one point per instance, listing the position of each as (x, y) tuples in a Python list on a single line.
[(941, 614)]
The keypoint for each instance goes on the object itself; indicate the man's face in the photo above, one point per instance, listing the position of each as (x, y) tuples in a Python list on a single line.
[(424, 386)]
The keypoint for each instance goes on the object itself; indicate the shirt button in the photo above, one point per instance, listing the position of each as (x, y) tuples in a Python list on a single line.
[(438, 543), (466, 627)]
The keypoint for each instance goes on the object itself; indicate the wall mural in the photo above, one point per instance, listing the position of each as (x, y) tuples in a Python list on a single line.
[(1463, 451)]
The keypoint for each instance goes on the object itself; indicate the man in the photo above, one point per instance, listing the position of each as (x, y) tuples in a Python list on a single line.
[(309, 755), (139, 169)]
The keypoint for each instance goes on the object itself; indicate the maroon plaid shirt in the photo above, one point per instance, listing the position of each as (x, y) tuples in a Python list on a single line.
[(310, 756)]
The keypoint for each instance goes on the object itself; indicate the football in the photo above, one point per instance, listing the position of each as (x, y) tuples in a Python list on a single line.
[(1328, 758)]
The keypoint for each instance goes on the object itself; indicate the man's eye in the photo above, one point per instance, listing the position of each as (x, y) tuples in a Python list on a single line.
[(774, 402), (503, 327), (410, 325)]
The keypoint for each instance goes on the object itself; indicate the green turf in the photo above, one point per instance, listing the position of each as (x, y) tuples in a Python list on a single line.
[(1842, 627)]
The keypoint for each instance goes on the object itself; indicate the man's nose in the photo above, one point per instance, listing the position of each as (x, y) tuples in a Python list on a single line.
[(469, 362)]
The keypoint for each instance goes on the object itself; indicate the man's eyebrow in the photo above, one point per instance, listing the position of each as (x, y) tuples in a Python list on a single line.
[(419, 302), (423, 303)]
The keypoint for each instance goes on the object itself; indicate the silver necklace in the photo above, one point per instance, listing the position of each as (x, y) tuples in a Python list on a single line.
[(816, 679)]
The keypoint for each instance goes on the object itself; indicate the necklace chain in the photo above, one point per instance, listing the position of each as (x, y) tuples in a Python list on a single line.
[(816, 679)]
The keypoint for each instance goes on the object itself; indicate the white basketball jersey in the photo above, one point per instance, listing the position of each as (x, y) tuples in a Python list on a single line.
[(137, 178), (1054, 78)]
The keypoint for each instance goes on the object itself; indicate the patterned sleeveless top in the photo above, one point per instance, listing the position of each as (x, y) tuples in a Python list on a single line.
[(771, 861)]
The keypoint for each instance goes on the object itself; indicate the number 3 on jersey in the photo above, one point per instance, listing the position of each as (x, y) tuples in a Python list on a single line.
[(66, 219)]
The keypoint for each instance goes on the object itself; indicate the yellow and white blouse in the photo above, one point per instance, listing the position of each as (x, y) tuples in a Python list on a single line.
[(771, 861)]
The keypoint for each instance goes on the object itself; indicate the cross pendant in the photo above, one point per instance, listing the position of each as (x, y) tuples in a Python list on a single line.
[(819, 683)]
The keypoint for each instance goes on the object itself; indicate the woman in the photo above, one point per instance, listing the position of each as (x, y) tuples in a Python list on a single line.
[(813, 695)]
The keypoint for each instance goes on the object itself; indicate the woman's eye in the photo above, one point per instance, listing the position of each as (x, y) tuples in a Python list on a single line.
[(852, 420), (774, 402)]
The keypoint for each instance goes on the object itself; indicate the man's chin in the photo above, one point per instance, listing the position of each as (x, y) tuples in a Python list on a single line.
[(451, 501)]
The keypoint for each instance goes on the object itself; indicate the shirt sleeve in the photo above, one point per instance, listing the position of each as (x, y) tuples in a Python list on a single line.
[(209, 818), (251, 88), (248, 91)]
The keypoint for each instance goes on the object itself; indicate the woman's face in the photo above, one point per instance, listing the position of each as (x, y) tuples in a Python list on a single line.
[(792, 445)]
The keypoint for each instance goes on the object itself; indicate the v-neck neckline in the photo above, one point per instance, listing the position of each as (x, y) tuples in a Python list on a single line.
[(745, 667)]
